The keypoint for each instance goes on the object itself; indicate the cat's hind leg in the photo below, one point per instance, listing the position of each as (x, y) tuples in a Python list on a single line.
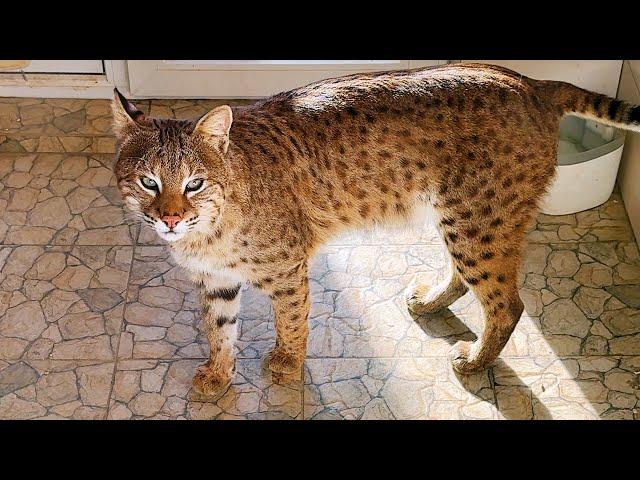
[(488, 260)]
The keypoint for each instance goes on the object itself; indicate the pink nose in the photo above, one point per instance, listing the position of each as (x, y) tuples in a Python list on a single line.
[(171, 220)]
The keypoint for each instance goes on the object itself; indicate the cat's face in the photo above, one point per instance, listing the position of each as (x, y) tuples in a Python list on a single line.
[(172, 174)]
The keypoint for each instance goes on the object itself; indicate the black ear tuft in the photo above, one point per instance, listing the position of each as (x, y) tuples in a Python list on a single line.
[(126, 116), (130, 109)]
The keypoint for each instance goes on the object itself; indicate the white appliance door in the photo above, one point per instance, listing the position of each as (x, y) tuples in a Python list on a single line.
[(244, 78)]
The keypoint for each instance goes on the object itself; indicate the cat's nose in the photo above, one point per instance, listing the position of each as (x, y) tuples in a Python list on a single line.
[(171, 220)]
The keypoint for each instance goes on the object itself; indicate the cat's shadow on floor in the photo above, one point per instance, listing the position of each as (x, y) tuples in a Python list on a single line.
[(446, 325)]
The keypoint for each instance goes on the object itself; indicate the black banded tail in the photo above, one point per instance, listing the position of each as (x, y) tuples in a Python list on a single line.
[(591, 105)]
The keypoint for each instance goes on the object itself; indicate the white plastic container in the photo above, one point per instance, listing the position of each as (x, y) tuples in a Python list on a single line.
[(588, 158)]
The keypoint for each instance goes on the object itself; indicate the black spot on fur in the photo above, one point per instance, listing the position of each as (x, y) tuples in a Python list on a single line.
[(471, 232), (477, 103), (226, 294), (222, 320), (486, 239)]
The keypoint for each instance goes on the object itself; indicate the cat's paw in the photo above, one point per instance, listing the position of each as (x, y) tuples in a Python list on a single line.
[(418, 301), (212, 382), (462, 358), (283, 362)]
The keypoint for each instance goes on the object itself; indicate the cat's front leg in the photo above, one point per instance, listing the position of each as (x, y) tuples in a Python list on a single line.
[(291, 305), (220, 306)]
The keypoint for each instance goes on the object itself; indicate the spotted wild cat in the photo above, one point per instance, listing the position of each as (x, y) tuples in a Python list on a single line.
[(248, 194)]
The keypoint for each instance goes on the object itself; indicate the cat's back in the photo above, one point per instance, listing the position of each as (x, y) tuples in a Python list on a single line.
[(389, 87)]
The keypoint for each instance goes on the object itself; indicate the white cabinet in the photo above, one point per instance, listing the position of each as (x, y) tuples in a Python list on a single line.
[(629, 174), (244, 78)]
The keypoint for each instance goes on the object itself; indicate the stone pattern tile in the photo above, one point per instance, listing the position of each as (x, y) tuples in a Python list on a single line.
[(580, 299), (608, 222), (63, 303), (585, 387), (400, 389), (359, 310), (61, 199), (89, 301), (57, 125), (153, 389), (187, 108), (162, 318), (46, 389)]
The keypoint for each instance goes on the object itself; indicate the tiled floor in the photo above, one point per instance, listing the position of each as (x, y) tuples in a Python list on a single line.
[(96, 321)]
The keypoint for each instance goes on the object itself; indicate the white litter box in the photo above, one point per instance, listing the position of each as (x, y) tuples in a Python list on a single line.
[(588, 159)]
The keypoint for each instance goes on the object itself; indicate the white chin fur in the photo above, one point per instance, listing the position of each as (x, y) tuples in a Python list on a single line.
[(170, 236)]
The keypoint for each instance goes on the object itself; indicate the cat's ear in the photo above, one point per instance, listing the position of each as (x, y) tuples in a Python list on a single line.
[(215, 126), (126, 116)]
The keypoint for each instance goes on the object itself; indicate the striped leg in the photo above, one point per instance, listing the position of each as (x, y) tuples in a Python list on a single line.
[(220, 305)]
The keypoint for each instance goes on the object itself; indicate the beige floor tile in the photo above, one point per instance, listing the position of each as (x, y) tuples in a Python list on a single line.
[(46, 389), (67, 304), (359, 309), (162, 319), (580, 299), (401, 389), (58, 125), (586, 387), (62, 200), (162, 390), (608, 222), (61, 302), (186, 108)]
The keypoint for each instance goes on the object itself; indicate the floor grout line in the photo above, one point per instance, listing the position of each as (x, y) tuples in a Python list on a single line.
[(492, 382), (117, 350), (383, 357)]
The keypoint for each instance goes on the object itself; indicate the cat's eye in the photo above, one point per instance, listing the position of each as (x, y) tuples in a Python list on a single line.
[(149, 183), (194, 185)]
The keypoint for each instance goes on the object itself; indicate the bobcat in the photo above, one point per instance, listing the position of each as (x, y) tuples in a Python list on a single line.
[(248, 194)]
